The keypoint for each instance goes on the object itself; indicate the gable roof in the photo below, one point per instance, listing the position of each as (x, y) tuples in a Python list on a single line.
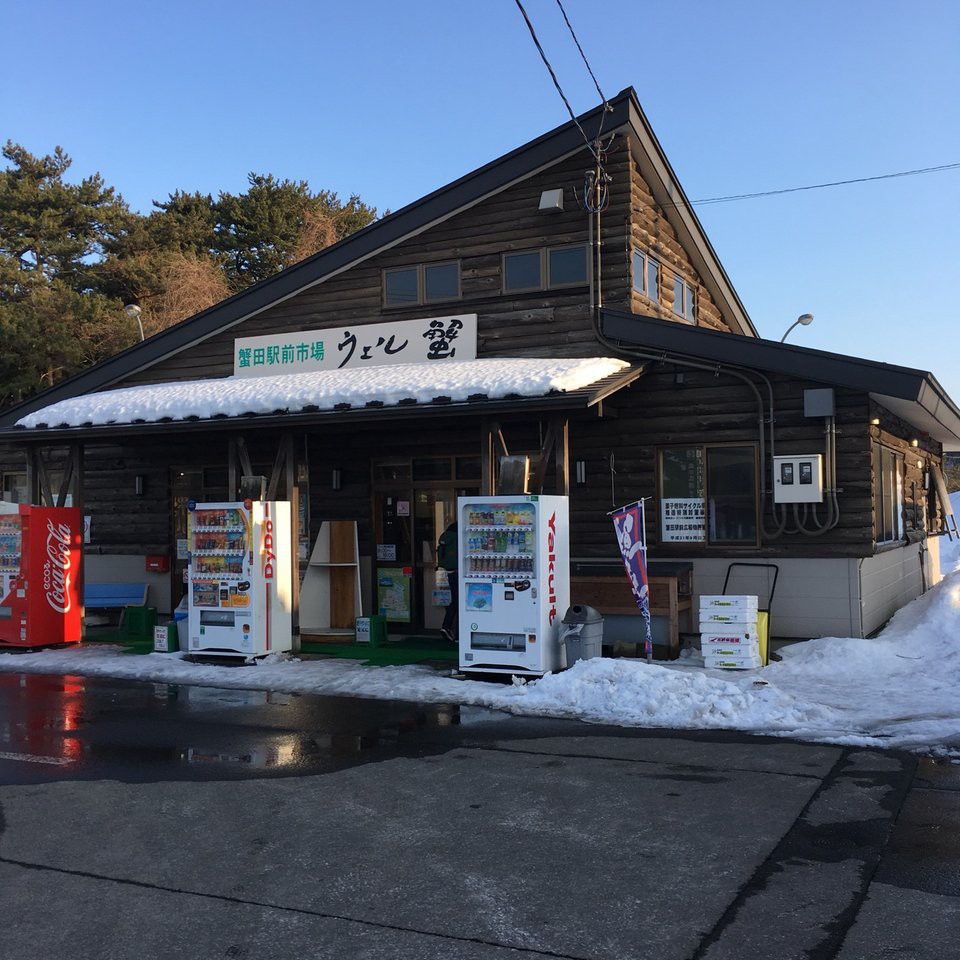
[(545, 151)]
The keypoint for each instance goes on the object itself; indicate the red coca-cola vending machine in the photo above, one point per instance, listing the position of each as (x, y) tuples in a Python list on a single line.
[(40, 556)]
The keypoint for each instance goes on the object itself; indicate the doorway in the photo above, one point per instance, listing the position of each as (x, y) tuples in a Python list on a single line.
[(414, 501)]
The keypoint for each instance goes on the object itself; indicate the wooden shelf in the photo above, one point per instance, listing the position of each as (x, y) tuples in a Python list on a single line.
[(330, 593)]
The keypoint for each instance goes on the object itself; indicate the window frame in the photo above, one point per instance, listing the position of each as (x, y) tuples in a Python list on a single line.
[(421, 271), (896, 493), (689, 295), (706, 543), (644, 273), (546, 282)]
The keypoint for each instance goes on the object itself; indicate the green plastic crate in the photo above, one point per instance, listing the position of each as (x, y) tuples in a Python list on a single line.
[(138, 624)]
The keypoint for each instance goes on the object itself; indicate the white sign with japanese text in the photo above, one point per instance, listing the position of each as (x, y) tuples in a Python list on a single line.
[(682, 520), (359, 345)]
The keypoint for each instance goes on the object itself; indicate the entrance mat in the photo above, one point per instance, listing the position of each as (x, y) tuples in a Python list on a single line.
[(392, 653)]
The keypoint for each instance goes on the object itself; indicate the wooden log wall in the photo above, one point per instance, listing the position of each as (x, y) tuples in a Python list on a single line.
[(657, 412), (921, 509), (546, 323), (653, 233)]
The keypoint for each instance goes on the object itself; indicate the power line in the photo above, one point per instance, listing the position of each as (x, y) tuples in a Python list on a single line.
[(819, 186), (556, 83), (582, 54)]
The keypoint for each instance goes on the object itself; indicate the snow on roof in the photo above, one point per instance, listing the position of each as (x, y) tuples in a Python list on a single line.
[(235, 396)]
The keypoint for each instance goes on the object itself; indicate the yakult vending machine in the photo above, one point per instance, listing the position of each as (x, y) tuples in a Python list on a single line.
[(40, 556), (239, 578), (514, 582)]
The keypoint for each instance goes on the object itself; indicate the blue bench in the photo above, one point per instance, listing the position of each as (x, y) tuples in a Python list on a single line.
[(114, 596)]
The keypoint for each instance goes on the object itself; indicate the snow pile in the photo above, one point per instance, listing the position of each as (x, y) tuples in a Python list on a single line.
[(898, 690), (950, 549), (325, 389)]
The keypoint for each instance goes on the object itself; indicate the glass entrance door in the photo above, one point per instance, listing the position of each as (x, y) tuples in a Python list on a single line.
[(414, 501), (434, 511)]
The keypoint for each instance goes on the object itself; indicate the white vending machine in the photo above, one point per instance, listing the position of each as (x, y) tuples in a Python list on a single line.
[(514, 582), (240, 586)]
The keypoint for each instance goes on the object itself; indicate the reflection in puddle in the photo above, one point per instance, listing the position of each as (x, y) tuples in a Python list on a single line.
[(137, 726)]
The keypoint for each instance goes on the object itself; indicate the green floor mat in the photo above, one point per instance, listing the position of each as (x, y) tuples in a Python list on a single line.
[(391, 653)]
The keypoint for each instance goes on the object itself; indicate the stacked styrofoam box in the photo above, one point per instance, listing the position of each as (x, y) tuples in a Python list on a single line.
[(729, 638)]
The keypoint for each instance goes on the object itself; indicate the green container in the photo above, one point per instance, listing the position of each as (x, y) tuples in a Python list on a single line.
[(371, 630), (138, 624)]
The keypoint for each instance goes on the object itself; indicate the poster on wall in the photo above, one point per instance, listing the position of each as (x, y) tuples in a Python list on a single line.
[(682, 519), (393, 593)]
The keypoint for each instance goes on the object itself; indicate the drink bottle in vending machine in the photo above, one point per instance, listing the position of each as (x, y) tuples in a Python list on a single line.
[(40, 556), (514, 570)]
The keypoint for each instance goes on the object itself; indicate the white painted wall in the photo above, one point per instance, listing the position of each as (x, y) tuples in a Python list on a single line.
[(123, 568)]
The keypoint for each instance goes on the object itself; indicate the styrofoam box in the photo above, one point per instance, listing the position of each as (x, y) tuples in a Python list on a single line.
[(736, 619), (733, 663), (718, 651), (725, 604), (729, 637)]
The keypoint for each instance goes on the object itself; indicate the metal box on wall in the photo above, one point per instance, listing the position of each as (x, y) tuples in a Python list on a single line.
[(798, 479)]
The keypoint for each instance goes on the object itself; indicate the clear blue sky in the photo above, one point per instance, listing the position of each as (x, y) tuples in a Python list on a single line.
[(391, 100)]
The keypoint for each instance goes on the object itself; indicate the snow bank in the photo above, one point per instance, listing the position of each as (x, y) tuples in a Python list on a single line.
[(898, 690)]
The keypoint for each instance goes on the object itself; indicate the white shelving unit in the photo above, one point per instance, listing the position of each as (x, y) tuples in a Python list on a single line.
[(330, 593)]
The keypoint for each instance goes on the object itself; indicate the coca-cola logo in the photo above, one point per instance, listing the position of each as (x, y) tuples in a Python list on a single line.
[(56, 567)]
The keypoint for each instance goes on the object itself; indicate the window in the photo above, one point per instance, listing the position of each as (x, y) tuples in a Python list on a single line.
[(424, 283), (545, 269), (888, 484), (683, 300), (15, 488), (646, 275), (708, 494)]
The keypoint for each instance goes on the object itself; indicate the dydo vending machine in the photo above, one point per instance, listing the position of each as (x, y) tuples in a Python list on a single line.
[(514, 582), (239, 578), (40, 556)]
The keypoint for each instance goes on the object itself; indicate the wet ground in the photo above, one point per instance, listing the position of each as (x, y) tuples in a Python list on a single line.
[(144, 819)]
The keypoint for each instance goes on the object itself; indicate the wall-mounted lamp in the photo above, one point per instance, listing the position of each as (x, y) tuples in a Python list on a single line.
[(919, 464), (914, 443), (678, 378), (336, 479), (875, 422), (580, 472), (138, 485)]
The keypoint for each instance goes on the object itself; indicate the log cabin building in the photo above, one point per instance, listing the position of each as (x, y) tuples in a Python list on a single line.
[(550, 255)]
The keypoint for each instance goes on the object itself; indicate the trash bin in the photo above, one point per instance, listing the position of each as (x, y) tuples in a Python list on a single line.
[(581, 635), (372, 630), (181, 617)]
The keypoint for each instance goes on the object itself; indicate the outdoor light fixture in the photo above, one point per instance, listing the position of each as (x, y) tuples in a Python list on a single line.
[(138, 485), (336, 479), (914, 443), (133, 311), (580, 472), (805, 319), (875, 422)]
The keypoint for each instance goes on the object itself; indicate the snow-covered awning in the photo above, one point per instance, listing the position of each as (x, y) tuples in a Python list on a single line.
[(330, 390)]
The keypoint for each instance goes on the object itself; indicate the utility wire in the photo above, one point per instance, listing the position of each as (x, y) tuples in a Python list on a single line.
[(556, 83), (818, 186), (582, 54)]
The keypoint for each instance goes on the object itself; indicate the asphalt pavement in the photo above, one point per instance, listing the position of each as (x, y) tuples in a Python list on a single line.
[(146, 820)]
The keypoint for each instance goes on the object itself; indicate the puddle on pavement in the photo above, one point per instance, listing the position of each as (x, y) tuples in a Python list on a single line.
[(121, 727)]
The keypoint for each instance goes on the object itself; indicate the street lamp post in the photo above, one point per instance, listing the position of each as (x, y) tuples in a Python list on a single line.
[(804, 320), (133, 311)]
